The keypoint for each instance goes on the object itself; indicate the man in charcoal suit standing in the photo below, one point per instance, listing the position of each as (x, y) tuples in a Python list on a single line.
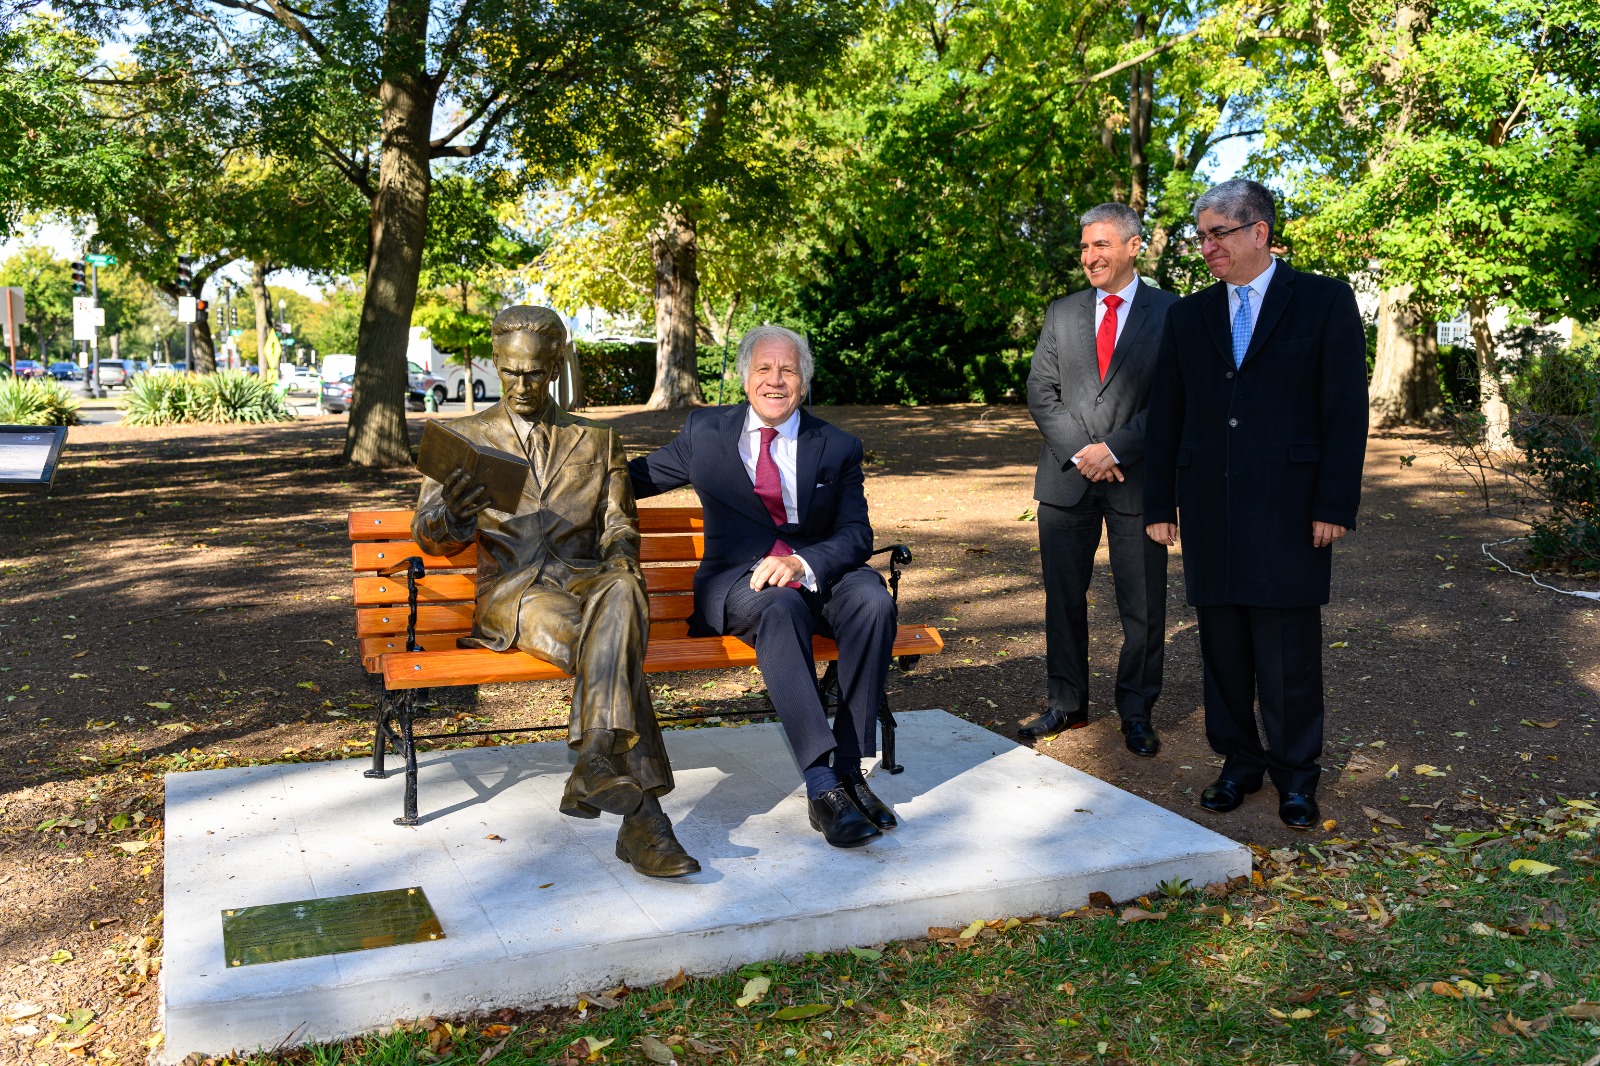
[(1088, 391)]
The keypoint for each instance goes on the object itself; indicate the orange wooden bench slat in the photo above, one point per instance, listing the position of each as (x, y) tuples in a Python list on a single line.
[(474, 666), (396, 525), (447, 588), (373, 649), (439, 617), (369, 556)]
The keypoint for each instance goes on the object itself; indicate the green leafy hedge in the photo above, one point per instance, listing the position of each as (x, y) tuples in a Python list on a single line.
[(36, 402), (226, 396), (1555, 401)]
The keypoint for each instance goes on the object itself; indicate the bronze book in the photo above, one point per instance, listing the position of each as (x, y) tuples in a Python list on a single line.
[(500, 473)]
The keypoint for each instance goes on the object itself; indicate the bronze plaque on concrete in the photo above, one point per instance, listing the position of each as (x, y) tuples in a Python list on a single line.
[(298, 930)]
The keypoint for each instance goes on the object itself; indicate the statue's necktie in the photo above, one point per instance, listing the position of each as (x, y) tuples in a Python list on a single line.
[(1241, 326), (1105, 338), (769, 490)]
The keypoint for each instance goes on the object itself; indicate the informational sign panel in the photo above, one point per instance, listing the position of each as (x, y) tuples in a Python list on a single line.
[(186, 309), (84, 318), (100, 259), (28, 454), (17, 313)]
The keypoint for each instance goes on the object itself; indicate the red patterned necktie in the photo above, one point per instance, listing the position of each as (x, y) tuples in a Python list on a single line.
[(1105, 338), (769, 490)]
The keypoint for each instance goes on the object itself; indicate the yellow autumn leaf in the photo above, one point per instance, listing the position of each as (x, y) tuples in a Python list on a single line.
[(754, 989), (1303, 1012), (1427, 770), (1473, 991), (1532, 867), (971, 931), (593, 1045)]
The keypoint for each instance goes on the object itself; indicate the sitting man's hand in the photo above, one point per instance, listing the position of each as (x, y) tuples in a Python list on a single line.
[(1163, 532), (1098, 464), (462, 498), (777, 570)]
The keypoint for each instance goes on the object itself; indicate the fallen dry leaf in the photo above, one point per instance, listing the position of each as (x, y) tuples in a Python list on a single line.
[(672, 984), (1378, 816), (1532, 867), (655, 1050), (754, 989), (1139, 914)]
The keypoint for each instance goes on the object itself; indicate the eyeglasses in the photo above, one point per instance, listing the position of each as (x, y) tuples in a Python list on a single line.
[(1216, 233)]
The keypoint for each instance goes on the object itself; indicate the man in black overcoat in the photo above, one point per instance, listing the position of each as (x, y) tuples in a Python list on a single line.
[(1255, 442), (1088, 392)]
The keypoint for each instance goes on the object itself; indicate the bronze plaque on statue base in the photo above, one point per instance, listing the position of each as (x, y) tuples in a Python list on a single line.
[(303, 928)]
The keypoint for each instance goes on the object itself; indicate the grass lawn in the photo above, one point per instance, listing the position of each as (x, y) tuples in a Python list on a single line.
[(1465, 947)]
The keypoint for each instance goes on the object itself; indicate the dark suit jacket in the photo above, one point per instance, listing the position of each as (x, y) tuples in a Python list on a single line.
[(576, 516), (1250, 458), (833, 533), (1074, 408)]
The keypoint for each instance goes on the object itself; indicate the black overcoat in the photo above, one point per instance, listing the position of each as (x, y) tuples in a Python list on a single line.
[(1245, 460)]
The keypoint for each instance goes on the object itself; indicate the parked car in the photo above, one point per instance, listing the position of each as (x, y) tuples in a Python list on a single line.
[(65, 371), (114, 372), (164, 368), (30, 368), (419, 388), (336, 395)]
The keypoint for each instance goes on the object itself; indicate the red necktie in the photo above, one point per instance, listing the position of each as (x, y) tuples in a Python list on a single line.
[(1105, 338), (769, 490)]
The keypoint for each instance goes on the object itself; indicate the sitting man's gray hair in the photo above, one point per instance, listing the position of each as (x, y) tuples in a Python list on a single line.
[(1124, 219), (747, 348), (1242, 201)]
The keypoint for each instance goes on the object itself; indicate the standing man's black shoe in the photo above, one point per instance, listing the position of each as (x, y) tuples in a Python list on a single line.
[(1051, 722), (1140, 738), (840, 823), (1223, 795), (1298, 810), (871, 807)]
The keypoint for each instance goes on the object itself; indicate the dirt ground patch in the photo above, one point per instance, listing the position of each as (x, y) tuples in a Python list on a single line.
[(182, 600)]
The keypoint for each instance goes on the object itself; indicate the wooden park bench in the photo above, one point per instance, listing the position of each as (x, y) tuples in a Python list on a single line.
[(411, 607)]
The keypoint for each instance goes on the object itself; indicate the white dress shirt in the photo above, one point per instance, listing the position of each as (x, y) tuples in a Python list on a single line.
[(1258, 291), (1122, 311), (785, 453)]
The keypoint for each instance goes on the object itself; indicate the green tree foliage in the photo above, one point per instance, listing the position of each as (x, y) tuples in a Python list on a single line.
[(46, 284), (1457, 144)]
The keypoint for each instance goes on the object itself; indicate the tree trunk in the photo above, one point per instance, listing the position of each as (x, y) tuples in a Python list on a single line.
[(1405, 373), (376, 435), (1141, 99), (1496, 415), (205, 349), (673, 249), (262, 301)]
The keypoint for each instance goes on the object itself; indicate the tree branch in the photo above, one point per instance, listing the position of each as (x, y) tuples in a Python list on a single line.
[(467, 151), (466, 123)]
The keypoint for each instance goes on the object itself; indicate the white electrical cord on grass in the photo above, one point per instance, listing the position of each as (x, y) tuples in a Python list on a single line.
[(1565, 592)]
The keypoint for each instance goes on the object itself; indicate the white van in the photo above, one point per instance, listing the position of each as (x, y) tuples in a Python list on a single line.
[(337, 366)]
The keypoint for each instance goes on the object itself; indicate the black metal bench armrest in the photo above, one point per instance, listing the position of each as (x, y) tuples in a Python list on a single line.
[(899, 555), (414, 571)]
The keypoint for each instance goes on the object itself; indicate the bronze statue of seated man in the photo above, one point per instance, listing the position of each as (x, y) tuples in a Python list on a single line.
[(560, 580)]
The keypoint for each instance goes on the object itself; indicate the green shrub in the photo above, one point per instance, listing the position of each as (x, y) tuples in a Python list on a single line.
[(226, 396), (1555, 403), (714, 388), (36, 402)]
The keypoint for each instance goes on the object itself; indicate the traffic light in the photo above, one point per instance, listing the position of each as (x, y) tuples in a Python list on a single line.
[(233, 317), (185, 275), (78, 279), (200, 314)]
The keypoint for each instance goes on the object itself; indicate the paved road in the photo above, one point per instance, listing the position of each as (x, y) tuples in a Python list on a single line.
[(102, 412)]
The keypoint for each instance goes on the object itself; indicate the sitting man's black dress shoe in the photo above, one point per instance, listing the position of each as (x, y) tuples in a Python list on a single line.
[(1298, 810), (1223, 795), (1051, 722), (871, 807), (1140, 738), (836, 817)]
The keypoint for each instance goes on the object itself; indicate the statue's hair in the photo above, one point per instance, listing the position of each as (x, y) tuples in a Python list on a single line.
[(540, 320)]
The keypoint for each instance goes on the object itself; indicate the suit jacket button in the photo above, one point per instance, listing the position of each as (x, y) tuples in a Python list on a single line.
[(1230, 374), (1099, 399), (1233, 422)]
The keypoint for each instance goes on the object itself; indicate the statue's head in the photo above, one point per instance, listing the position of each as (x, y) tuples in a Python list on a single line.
[(530, 345)]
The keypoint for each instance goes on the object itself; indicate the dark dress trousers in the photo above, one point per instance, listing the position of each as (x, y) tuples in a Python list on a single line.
[(1246, 459), (833, 535), (559, 578), (1074, 408)]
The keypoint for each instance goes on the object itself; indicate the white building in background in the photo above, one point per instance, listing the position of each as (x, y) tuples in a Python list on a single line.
[(1458, 330)]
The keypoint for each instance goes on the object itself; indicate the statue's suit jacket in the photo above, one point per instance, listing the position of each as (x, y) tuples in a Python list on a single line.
[(576, 516), (1074, 408), (1251, 456), (833, 532)]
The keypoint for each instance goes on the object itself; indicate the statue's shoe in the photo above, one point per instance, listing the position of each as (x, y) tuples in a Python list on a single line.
[(646, 842), (597, 784)]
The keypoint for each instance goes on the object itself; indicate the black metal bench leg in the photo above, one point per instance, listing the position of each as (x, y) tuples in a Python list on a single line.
[(408, 748), (886, 725), (380, 735)]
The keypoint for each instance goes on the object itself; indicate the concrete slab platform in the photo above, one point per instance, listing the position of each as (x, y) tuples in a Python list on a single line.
[(545, 912)]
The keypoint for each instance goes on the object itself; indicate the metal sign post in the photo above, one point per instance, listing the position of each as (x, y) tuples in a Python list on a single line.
[(16, 315)]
